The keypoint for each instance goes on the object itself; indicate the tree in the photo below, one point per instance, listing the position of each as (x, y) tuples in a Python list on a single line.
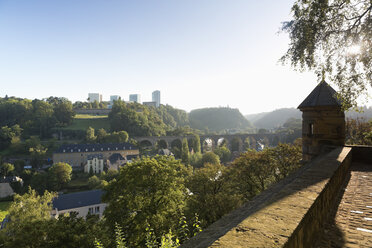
[(210, 157), (195, 143), (285, 158), (31, 225), (334, 36), (59, 175), (149, 191), (358, 132), (185, 152), (30, 207), (94, 182), (63, 111), (37, 153), (90, 136), (223, 153), (6, 168), (254, 172), (212, 193), (101, 135)]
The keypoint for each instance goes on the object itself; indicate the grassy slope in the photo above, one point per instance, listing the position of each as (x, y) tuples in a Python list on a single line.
[(82, 122), (4, 206)]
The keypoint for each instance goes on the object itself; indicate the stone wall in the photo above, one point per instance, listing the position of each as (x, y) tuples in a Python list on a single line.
[(289, 214)]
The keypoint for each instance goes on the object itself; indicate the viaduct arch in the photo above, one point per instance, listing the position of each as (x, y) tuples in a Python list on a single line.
[(270, 138)]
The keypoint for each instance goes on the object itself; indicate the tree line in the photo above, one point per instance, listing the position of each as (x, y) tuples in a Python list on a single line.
[(154, 199)]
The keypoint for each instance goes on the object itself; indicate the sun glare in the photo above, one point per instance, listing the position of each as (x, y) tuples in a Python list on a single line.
[(354, 49)]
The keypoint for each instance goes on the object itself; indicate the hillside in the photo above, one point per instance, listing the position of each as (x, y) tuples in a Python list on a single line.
[(218, 119), (278, 117), (275, 118)]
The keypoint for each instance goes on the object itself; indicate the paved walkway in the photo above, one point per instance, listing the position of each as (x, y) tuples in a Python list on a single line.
[(351, 222)]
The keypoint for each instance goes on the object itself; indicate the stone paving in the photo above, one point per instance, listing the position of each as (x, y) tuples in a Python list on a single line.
[(350, 224)]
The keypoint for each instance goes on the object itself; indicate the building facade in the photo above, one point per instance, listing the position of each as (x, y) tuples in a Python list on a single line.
[(150, 104), (83, 203), (156, 97), (94, 97), (114, 98), (77, 155), (135, 98), (94, 164)]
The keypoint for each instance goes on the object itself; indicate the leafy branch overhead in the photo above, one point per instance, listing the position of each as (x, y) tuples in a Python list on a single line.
[(334, 36)]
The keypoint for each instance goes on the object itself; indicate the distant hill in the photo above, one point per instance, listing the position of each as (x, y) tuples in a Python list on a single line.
[(277, 118), (366, 114), (218, 119), (274, 119)]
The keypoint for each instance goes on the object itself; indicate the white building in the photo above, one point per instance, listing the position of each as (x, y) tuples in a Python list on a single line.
[(83, 203), (114, 98), (156, 97), (135, 98), (92, 97), (94, 163)]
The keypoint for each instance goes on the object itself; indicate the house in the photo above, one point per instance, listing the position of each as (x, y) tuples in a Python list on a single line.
[(76, 155), (94, 164), (115, 161), (83, 203), (5, 188)]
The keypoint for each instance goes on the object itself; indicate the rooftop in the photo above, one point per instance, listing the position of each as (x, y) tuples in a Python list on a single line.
[(322, 95), (70, 148), (77, 200)]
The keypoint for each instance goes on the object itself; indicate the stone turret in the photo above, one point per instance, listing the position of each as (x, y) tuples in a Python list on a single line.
[(323, 121)]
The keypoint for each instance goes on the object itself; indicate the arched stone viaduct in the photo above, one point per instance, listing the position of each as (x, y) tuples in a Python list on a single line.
[(272, 139)]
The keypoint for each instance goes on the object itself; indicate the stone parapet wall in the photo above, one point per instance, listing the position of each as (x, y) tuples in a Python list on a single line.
[(289, 214)]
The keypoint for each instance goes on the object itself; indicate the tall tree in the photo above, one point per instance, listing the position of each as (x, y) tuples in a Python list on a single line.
[(212, 193), (149, 191), (185, 152), (59, 175), (335, 36), (6, 168)]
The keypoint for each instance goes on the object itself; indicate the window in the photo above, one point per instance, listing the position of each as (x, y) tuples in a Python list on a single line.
[(311, 129), (97, 209), (90, 211)]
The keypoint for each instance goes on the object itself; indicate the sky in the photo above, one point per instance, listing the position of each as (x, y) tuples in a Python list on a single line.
[(198, 53)]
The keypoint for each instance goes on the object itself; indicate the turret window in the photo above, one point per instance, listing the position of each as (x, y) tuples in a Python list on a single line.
[(311, 129)]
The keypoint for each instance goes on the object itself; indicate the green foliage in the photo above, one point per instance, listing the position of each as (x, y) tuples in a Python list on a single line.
[(6, 168), (136, 119), (212, 194), (218, 119), (119, 237), (37, 153), (30, 207), (210, 158), (194, 143), (4, 207), (8, 135), (185, 152), (358, 132), (196, 228), (322, 35), (94, 182), (196, 160), (183, 229), (252, 172), (59, 174), (223, 153), (90, 136), (149, 191)]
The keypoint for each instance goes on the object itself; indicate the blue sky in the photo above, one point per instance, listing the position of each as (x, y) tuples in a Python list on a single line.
[(198, 53)]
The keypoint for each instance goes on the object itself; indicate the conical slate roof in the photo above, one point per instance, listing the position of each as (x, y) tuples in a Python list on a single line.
[(322, 95)]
